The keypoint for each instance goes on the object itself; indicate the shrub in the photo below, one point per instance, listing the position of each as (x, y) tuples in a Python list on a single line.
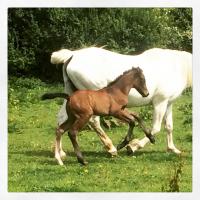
[(33, 33), (146, 112), (186, 109)]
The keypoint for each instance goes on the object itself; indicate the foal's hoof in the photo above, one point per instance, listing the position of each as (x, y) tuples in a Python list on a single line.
[(113, 154), (129, 150), (120, 146), (83, 162), (151, 138)]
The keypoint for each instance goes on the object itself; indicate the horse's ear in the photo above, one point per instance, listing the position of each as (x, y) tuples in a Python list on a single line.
[(133, 68), (136, 68)]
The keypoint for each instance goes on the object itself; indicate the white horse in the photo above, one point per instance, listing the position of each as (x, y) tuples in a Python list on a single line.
[(167, 73)]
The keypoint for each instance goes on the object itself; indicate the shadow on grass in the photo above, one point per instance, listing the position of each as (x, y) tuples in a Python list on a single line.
[(159, 156), (60, 189), (103, 156)]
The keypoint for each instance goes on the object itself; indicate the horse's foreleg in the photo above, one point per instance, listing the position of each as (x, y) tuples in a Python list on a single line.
[(95, 123), (158, 114), (169, 127)]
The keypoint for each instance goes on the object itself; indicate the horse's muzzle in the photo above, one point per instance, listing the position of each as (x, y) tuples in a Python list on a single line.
[(146, 94)]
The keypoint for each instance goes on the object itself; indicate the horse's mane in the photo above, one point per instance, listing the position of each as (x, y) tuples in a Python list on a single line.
[(115, 80)]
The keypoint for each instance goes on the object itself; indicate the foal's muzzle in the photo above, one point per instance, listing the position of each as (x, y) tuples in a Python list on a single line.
[(146, 94)]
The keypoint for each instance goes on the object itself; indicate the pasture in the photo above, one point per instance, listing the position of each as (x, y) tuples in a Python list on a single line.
[(33, 168)]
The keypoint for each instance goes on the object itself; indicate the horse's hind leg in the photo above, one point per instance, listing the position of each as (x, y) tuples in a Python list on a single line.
[(95, 123), (78, 124), (59, 153)]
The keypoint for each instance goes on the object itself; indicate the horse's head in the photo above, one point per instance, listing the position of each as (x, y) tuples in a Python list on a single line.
[(139, 82)]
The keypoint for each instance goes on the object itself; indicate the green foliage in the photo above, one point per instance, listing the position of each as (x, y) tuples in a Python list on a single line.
[(34, 33), (186, 109), (24, 93), (188, 92), (175, 178), (146, 112)]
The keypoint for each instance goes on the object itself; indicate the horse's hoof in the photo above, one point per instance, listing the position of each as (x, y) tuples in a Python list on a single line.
[(174, 150), (113, 154), (152, 139), (85, 162), (132, 147), (63, 154), (112, 151), (60, 162)]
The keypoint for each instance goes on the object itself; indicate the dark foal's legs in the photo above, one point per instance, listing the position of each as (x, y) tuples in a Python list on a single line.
[(144, 128), (124, 115), (128, 137), (78, 124)]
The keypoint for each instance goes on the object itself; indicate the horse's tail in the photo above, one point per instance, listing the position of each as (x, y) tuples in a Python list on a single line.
[(61, 56), (54, 95)]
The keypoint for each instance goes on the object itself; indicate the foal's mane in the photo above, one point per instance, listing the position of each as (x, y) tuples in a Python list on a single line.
[(115, 80)]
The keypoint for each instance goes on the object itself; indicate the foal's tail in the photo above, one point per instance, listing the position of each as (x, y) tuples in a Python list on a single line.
[(61, 56), (54, 95)]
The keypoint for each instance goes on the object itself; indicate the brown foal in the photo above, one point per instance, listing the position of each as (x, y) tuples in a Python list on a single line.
[(110, 100)]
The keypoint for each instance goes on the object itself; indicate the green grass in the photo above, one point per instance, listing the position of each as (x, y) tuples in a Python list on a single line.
[(31, 163)]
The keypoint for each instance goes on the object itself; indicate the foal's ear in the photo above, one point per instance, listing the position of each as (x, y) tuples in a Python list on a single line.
[(136, 68), (139, 69)]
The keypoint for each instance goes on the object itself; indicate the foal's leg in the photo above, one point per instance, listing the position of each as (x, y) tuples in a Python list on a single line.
[(125, 116), (169, 127), (59, 153), (159, 111), (78, 124), (128, 137), (144, 128), (95, 123)]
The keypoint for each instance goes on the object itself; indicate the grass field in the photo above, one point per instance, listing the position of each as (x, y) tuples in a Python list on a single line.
[(31, 163)]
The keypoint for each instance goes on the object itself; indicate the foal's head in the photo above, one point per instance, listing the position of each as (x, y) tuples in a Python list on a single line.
[(139, 82)]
